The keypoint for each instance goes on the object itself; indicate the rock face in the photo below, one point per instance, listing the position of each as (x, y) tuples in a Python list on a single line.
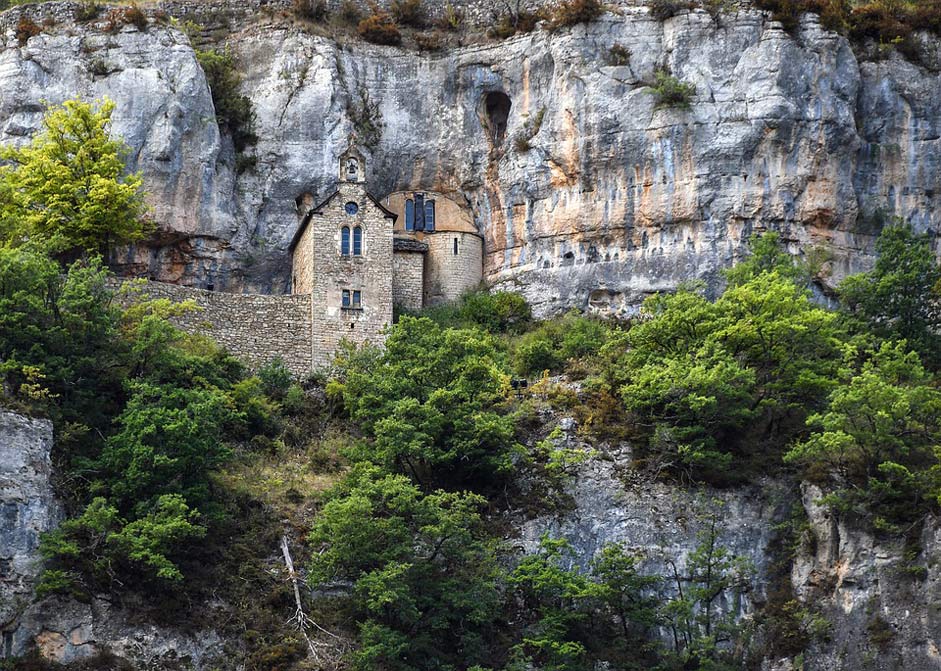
[(587, 192), (64, 630), (27, 509), (876, 603)]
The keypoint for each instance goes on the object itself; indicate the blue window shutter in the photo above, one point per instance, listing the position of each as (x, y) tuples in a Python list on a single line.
[(345, 241), (409, 215)]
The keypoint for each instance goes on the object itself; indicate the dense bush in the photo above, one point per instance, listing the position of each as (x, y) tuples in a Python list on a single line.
[(714, 380), (551, 344), (379, 28), (234, 112), (671, 92), (408, 12), (876, 440), (901, 297), (430, 403), (422, 566), (572, 12), (312, 10)]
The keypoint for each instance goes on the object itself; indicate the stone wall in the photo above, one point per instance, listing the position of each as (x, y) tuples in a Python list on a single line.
[(448, 275), (253, 327), (407, 283), (370, 273), (302, 264)]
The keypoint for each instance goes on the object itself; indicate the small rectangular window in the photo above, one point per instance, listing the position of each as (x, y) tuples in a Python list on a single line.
[(346, 298), (357, 299), (455, 246)]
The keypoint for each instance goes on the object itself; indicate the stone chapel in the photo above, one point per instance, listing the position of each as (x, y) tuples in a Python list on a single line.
[(358, 258)]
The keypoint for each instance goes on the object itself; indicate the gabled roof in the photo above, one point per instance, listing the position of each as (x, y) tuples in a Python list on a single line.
[(318, 209)]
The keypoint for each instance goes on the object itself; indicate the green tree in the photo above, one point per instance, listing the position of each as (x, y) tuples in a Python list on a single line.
[(69, 189), (555, 600), (60, 348), (98, 549), (709, 382), (702, 614), (431, 403), (168, 441), (422, 566), (900, 297), (879, 438)]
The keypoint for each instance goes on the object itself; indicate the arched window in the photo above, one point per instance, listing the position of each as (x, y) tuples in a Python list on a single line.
[(358, 241), (409, 215), (429, 215), (345, 241)]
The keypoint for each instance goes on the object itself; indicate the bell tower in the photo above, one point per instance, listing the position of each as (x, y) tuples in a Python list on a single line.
[(352, 167)]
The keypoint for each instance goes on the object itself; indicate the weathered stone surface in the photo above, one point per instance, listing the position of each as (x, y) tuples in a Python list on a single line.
[(65, 631), (883, 606), (613, 198), (27, 508)]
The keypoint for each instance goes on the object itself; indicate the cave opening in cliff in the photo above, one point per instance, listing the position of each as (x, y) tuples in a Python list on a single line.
[(497, 109)]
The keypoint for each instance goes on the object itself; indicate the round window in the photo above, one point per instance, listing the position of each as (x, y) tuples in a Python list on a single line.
[(352, 208)]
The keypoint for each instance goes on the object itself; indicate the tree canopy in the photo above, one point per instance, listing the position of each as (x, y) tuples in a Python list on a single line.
[(68, 189)]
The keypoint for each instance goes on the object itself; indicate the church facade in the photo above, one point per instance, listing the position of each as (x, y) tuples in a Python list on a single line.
[(358, 258)]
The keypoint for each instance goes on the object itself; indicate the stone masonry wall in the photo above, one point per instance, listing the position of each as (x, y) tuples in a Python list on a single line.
[(253, 327), (370, 273), (407, 272), (302, 270), (448, 275)]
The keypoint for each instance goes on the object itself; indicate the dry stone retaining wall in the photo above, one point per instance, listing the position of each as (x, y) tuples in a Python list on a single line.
[(254, 327)]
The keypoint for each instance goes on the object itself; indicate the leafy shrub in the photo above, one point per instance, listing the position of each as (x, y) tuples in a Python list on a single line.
[(671, 92), (901, 297), (711, 377), (90, 552), (275, 378), (126, 16), (451, 18), (88, 10), (233, 111), (431, 404), (513, 23), (429, 41), (618, 54), (25, 29), (665, 9), (312, 10), (554, 342), (877, 437), (379, 28), (408, 13), (350, 13), (422, 566), (497, 312), (572, 12)]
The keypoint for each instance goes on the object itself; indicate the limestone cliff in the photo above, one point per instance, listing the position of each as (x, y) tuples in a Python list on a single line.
[(606, 198)]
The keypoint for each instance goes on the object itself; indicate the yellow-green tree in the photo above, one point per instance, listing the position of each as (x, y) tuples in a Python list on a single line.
[(69, 190)]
